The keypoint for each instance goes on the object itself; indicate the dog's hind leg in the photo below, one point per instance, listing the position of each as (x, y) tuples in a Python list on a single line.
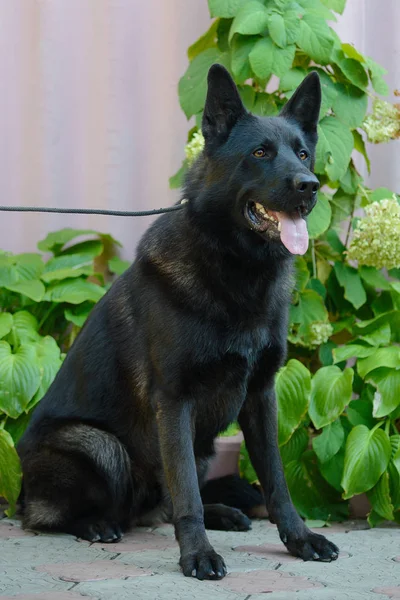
[(78, 481)]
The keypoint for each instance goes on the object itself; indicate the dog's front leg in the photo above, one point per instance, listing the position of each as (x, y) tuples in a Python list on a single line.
[(198, 558), (258, 420)]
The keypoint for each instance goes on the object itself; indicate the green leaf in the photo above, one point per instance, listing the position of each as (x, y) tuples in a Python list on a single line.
[(334, 147), (370, 325), (351, 180), (319, 219), (176, 181), (118, 266), (264, 105), (359, 412), (6, 322), (19, 378), (78, 314), (309, 309), (387, 397), (49, 360), (359, 145), (366, 457), (381, 193), (74, 291), (374, 519), (292, 388), (224, 8), (67, 265), (329, 442), (350, 280), (33, 289), (314, 7), (315, 38), (54, 241), (332, 470), (350, 105), (351, 351), (10, 471), (382, 357), (312, 496), (351, 52), (252, 18), (16, 427), (351, 68), (266, 58), (376, 73), (302, 273), (380, 337), (246, 469), (25, 327), (247, 94), (294, 448), (89, 248), (336, 5), (374, 278), (291, 80), (277, 29), (207, 40), (192, 86), (331, 390), (342, 206), (379, 496), (242, 45)]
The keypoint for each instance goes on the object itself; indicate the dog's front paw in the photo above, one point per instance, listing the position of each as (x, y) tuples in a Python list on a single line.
[(310, 546), (204, 564)]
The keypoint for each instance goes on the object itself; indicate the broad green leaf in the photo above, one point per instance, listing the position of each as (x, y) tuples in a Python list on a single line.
[(224, 8), (264, 105), (319, 219), (336, 145), (376, 73), (54, 241), (315, 8), (251, 18), (315, 38), (6, 322), (294, 448), (290, 80), (351, 351), (309, 309), (312, 496), (207, 40), (374, 519), (25, 326), (380, 499), (370, 325), (74, 291), (366, 457), (350, 280), (10, 471), (351, 52), (342, 206), (292, 388), (351, 180), (267, 58), (350, 105), (242, 45), (394, 485), (387, 396), (49, 361), (382, 357), (19, 378), (302, 273), (29, 266), (336, 5), (69, 265), (89, 248), (374, 278), (329, 442), (277, 29), (176, 181), (331, 391), (329, 92), (359, 412), (16, 427), (359, 145), (118, 266), (332, 470), (380, 337), (192, 86), (247, 94), (246, 469), (381, 193), (33, 289), (78, 314), (352, 68)]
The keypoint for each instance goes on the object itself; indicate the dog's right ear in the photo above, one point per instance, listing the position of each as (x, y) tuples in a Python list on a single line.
[(223, 107)]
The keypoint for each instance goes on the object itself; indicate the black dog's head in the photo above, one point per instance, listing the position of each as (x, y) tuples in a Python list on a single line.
[(259, 169)]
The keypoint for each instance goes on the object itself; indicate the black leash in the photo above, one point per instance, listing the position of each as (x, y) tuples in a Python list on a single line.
[(94, 211)]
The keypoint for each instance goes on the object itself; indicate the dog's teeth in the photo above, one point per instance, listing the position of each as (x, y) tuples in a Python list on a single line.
[(279, 226)]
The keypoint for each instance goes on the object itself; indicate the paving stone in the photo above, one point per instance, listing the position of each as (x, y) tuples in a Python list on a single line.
[(9, 530), (392, 592), (138, 541), (92, 571), (263, 582), (48, 596)]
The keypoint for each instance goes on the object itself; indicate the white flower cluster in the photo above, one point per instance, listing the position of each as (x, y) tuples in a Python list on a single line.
[(194, 147), (376, 239), (320, 333), (383, 124)]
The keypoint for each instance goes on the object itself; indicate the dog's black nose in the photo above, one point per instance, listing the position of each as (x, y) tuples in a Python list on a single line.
[(306, 184)]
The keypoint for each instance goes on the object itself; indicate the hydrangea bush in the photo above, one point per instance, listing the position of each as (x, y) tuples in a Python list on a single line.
[(338, 395)]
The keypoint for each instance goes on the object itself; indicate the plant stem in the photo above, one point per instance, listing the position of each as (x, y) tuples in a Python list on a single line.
[(350, 222), (314, 261)]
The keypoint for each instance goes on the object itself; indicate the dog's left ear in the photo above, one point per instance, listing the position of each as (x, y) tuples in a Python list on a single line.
[(305, 104), (223, 107)]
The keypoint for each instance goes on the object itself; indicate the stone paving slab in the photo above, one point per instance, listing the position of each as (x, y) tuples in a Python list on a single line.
[(144, 566)]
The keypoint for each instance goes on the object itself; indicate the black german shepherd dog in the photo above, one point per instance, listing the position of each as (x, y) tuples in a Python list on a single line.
[(186, 341)]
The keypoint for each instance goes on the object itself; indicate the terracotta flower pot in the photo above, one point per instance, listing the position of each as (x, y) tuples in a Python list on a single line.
[(226, 459)]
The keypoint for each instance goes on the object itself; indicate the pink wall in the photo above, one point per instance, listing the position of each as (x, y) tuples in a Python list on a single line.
[(89, 114)]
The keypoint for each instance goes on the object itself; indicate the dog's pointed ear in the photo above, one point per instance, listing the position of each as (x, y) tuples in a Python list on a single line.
[(223, 106), (305, 104)]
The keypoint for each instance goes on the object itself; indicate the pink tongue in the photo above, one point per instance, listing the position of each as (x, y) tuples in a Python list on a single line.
[(294, 234)]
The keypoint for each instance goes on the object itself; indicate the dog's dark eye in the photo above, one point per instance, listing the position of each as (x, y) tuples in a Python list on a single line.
[(303, 155), (259, 153)]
